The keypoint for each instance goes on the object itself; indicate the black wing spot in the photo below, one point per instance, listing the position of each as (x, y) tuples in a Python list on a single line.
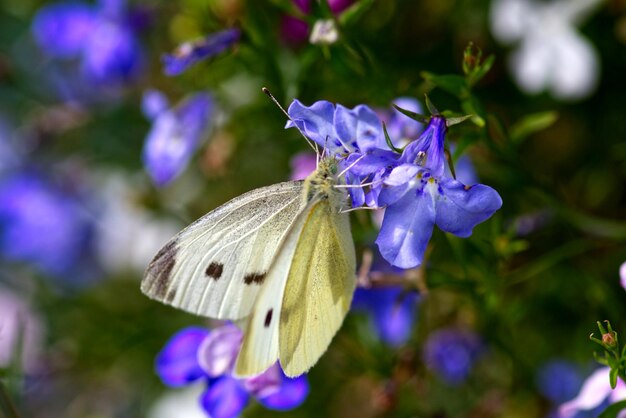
[(268, 318), (256, 278), (215, 270), (161, 267)]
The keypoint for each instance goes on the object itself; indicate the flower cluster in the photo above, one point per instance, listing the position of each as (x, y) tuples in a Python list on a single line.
[(101, 37), (413, 185), (196, 353)]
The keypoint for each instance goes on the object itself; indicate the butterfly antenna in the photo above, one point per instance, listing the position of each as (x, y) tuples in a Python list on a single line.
[(271, 96), (351, 165)]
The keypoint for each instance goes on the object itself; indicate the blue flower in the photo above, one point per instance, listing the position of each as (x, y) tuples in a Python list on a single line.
[(451, 354), (559, 381), (40, 224), (195, 353), (418, 194), (190, 53), (414, 187), (392, 311), (353, 135), (175, 134), (100, 37)]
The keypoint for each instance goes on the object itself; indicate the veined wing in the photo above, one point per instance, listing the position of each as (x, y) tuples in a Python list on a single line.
[(260, 343), (215, 266), (318, 290)]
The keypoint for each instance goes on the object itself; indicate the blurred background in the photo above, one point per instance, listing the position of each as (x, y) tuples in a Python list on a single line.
[(115, 133)]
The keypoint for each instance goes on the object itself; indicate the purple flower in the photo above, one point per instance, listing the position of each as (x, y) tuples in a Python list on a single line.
[(40, 224), (414, 186), (101, 38), (190, 53), (418, 194), (175, 134), (392, 311), (302, 165), (595, 391), (559, 380), (20, 329), (622, 274), (401, 128), (195, 353), (451, 354)]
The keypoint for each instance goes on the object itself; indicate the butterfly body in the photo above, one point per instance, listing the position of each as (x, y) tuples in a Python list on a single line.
[(277, 260)]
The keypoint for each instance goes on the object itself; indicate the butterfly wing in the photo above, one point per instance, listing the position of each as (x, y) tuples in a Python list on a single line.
[(216, 266), (318, 290), (260, 343)]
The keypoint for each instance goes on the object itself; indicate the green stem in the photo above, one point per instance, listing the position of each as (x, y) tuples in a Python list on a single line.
[(6, 404)]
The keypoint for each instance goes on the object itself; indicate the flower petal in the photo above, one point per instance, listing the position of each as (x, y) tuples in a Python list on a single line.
[(218, 351), (392, 311), (265, 384), (190, 53), (290, 395), (594, 391), (406, 229), (359, 128), (461, 208), (61, 29), (177, 363), (153, 102), (316, 122), (224, 398)]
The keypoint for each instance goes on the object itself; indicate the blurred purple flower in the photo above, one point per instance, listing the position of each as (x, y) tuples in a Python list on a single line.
[(175, 135), (195, 353), (296, 31), (20, 329), (100, 37), (559, 380), (190, 53), (40, 224), (622, 274), (401, 128), (392, 311), (595, 391), (451, 354), (302, 165)]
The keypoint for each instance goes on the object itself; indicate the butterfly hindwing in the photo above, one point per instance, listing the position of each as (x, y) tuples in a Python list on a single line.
[(319, 288), (215, 267)]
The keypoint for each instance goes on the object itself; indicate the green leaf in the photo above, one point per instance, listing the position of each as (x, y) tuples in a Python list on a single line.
[(388, 140), (453, 84), (613, 410), (430, 106), (415, 116), (532, 123), (481, 71), (613, 377)]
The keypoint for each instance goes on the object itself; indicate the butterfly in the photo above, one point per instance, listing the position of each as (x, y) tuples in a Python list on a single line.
[(279, 261)]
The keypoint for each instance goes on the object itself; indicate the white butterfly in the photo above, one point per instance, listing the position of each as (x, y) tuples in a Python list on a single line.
[(278, 260)]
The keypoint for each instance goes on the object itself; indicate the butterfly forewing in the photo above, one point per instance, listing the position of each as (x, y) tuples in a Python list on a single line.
[(216, 266)]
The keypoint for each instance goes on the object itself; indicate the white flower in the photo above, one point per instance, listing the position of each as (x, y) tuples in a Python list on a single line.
[(594, 391), (551, 54), (324, 32)]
